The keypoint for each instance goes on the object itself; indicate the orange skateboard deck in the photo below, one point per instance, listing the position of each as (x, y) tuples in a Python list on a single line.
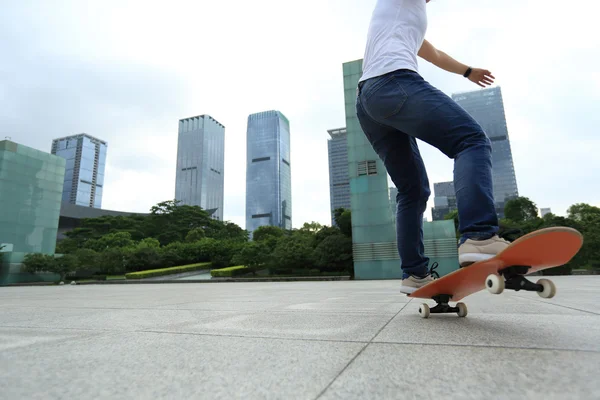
[(536, 251)]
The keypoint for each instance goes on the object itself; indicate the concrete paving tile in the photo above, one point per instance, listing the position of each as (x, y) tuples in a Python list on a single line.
[(169, 366), (12, 338), (324, 326), (112, 320), (246, 306), (541, 329), (387, 371), (578, 292), (38, 316), (344, 306)]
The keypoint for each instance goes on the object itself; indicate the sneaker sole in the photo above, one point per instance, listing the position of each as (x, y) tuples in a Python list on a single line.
[(471, 258), (407, 289)]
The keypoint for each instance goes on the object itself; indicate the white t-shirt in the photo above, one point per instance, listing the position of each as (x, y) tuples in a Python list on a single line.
[(396, 33)]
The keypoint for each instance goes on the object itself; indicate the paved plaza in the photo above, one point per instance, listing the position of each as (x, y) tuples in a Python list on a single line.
[(295, 340)]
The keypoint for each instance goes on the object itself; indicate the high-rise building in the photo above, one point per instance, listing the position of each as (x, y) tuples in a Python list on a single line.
[(199, 180), (85, 158), (487, 108), (339, 183), (545, 211), (31, 183), (268, 171), (444, 200)]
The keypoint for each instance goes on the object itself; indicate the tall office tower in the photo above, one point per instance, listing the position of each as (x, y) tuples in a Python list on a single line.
[(199, 180), (487, 108), (85, 158), (444, 200), (545, 211), (339, 183), (268, 171)]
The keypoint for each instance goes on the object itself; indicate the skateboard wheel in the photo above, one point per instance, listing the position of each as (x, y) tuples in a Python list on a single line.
[(462, 310), (549, 288), (494, 284), (424, 310)]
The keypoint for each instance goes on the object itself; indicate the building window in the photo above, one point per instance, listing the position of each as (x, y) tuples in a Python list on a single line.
[(368, 168)]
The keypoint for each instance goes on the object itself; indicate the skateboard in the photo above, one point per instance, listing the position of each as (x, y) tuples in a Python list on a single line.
[(536, 251)]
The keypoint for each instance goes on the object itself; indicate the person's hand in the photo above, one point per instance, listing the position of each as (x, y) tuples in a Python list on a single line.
[(482, 77)]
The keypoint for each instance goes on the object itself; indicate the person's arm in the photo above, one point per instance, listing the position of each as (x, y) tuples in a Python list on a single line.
[(442, 60)]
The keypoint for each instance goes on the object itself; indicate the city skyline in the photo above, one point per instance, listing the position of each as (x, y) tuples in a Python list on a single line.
[(53, 86), (200, 169), (85, 158), (268, 171)]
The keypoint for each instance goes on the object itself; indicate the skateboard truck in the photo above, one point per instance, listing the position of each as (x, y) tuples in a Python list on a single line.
[(442, 307), (514, 279)]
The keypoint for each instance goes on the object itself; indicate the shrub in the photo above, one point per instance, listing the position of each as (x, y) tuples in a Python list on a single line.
[(334, 253), (166, 271), (253, 255), (47, 263), (113, 261), (144, 258), (291, 253), (230, 271)]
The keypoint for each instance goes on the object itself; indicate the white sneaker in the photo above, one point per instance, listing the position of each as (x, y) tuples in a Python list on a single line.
[(473, 251), (412, 283)]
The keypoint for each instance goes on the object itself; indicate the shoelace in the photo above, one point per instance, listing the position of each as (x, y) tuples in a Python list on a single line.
[(433, 272)]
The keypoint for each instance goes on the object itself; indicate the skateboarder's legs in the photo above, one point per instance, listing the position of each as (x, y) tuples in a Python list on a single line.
[(396, 109)]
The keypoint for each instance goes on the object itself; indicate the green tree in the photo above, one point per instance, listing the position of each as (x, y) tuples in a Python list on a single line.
[(325, 232), (453, 215), (88, 258), (46, 263), (170, 222), (149, 243), (114, 260), (110, 240), (343, 219), (520, 209), (587, 217), (312, 227), (334, 254), (195, 235), (264, 232), (293, 252), (228, 231), (253, 255), (67, 246)]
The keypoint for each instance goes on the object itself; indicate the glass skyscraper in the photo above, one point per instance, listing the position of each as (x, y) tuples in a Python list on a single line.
[(339, 183), (487, 108), (199, 179), (268, 171), (85, 158)]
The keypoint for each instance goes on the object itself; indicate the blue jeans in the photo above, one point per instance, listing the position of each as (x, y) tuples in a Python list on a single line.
[(396, 109)]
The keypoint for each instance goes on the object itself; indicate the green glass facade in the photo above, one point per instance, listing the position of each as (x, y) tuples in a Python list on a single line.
[(31, 183), (373, 224), (373, 233)]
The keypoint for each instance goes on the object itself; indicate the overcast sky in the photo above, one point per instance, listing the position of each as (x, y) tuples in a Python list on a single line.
[(126, 71)]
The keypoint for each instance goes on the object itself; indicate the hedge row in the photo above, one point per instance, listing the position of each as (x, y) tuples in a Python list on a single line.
[(229, 272), (167, 271)]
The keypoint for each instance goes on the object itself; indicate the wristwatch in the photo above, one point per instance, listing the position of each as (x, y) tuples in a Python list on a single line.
[(466, 74)]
